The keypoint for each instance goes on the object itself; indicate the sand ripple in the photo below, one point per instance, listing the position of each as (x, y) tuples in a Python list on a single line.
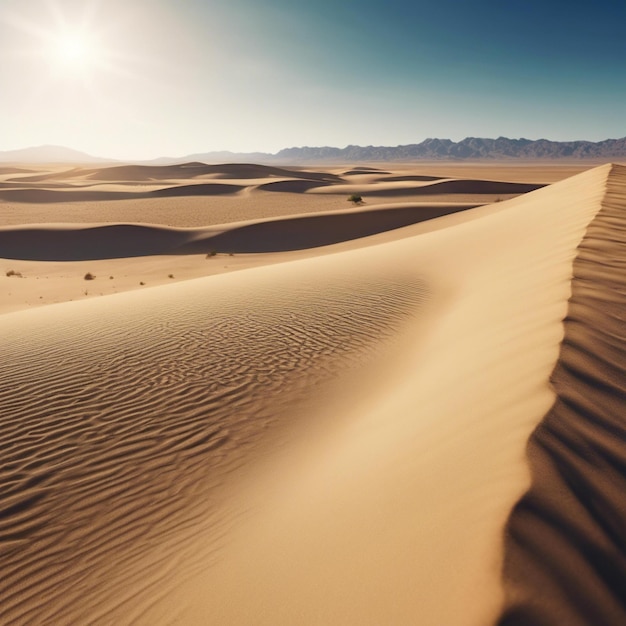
[(122, 417)]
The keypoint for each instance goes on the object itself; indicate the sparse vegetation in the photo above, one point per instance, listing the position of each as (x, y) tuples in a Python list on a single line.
[(170, 275), (14, 273), (110, 277), (356, 199), (89, 276), (142, 283), (211, 254)]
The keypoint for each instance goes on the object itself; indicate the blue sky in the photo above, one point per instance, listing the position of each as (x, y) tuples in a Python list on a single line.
[(159, 77)]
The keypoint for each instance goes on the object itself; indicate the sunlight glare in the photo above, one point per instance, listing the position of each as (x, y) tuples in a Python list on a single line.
[(74, 51)]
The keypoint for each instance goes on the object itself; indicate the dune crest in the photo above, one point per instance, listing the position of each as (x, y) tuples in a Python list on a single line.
[(566, 538)]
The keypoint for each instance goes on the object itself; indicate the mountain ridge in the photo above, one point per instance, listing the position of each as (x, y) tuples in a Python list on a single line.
[(468, 148), (431, 149)]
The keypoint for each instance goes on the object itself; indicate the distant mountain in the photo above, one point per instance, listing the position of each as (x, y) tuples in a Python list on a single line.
[(49, 154), (215, 157), (469, 148)]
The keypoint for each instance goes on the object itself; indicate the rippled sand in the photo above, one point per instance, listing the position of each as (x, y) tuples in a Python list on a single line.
[(329, 435)]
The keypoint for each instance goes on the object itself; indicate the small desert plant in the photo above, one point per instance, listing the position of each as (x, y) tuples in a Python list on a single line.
[(14, 273), (211, 254), (355, 198), (89, 276), (142, 283), (170, 275), (110, 277)]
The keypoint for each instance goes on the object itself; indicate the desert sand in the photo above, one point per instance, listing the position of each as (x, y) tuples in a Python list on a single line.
[(267, 406)]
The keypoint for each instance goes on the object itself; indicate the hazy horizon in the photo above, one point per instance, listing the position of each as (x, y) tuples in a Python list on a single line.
[(105, 157), (164, 79)]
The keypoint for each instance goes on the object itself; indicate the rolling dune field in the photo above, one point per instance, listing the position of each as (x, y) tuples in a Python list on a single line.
[(267, 406)]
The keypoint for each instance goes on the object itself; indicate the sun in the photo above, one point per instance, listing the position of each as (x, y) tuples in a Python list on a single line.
[(74, 52)]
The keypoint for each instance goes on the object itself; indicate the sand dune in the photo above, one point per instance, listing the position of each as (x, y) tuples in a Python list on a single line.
[(565, 557), (364, 170), (181, 172), (79, 243), (247, 171), (338, 439), (402, 186), (184, 171), (404, 502), (6, 171), (546, 172), (136, 182), (88, 195), (50, 175), (291, 186), (134, 173), (127, 173), (16, 184), (128, 436), (408, 178), (321, 230), (75, 243), (483, 186), (46, 196), (209, 189)]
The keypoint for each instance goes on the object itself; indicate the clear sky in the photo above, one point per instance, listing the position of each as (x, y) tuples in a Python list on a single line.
[(145, 78)]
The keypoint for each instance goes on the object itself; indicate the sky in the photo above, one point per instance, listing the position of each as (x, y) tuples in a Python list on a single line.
[(137, 79)]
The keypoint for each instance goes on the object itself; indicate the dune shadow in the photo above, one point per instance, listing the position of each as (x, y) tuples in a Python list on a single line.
[(50, 196), (292, 186), (281, 235), (448, 187), (86, 244), (313, 231)]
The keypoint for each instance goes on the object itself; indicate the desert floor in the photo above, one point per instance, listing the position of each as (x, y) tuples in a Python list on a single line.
[(228, 395)]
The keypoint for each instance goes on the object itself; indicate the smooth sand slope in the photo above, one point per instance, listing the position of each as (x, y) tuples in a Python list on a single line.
[(337, 439)]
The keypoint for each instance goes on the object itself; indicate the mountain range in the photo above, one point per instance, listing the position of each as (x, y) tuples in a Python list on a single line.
[(467, 149), (470, 148)]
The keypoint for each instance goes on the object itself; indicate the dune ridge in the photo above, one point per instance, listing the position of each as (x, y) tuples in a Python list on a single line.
[(82, 194), (73, 242), (195, 179), (428, 187), (190, 170), (237, 171), (566, 538), (385, 188)]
